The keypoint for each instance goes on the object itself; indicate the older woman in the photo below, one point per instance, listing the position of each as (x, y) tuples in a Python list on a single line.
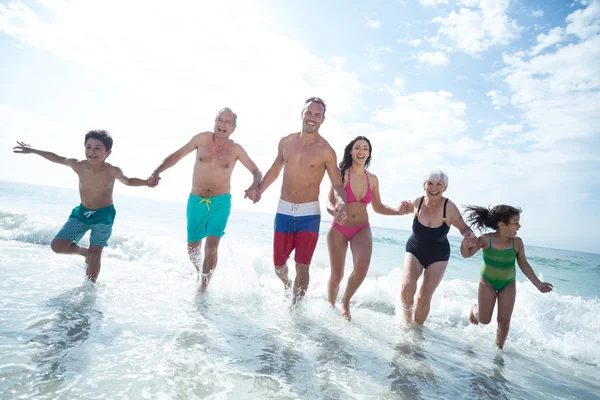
[(428, 249), (362, 189)]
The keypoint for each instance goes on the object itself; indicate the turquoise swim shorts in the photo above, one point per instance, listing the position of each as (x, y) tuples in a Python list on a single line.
[(83, 219), (207, 216)]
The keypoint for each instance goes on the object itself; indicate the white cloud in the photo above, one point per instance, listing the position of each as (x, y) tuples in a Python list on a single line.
[(502, 131), (585, 22), (373, 51), (432, 3), (433, 58), (373, 24), (399, 83), (415, 42), (537, 13), (462, 78), (425, 114), (559, 92), (555, 35), (479, 25), (245, 56), (498, 99)]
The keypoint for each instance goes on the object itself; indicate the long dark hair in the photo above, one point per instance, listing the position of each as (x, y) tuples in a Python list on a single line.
[(482, 217), (347, 159)]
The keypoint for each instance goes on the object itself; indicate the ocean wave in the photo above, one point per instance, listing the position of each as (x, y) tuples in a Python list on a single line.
[(37, 229)]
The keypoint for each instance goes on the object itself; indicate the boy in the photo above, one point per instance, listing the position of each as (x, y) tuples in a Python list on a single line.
[(96, 211)]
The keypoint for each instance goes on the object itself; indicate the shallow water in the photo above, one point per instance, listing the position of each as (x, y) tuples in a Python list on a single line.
[(143, 331)]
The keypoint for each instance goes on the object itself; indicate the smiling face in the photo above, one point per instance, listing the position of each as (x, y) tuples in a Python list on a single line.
[(224, 124), (434, 188), (510, 230), (313, 116), (360, 152), (95, 151)]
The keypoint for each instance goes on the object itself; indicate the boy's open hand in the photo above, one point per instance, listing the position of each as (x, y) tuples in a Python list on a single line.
[(22, 148)]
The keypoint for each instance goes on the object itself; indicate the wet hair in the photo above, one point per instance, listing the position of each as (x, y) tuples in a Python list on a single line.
[(100, 135), (482, 217), (436, 174), (227, 109), (347, 159), (316, 100)]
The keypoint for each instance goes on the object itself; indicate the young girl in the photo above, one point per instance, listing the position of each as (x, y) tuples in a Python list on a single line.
[(500, 250)]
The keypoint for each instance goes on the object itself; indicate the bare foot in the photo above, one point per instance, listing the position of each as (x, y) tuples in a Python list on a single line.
[(472, 316), (346, 311)]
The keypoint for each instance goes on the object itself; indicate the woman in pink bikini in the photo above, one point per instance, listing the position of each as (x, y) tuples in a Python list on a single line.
[(362, 188)]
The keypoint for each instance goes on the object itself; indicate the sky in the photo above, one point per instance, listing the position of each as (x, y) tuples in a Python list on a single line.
[(502, 95)]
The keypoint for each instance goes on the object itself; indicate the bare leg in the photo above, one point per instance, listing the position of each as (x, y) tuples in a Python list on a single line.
[(93, 258), (506, 304), (431, 279), (410, 275), (66, 246), (338, 246), (361, 246), (194, 251), (210, 260), (301, 282), (486, 299), (282, 273)]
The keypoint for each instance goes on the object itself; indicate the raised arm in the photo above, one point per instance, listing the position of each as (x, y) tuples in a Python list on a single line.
[(174, 158), (130, 181), (24, 148), (275, 169), (543, 287), (378, 206)]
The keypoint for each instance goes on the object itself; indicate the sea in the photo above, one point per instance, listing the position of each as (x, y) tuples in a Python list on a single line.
[(144, 331)]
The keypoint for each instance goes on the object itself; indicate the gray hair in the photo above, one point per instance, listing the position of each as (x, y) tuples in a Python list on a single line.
[(227, 109), (436, 174)]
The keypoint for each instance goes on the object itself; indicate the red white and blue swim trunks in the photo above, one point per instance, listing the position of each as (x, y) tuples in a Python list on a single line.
[(296, 228)]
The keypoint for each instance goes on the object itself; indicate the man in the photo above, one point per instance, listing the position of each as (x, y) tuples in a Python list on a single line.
[(209, 203), (304, 157)]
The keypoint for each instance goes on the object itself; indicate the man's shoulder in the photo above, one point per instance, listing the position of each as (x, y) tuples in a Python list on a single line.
[(289, 137), (203, 135)]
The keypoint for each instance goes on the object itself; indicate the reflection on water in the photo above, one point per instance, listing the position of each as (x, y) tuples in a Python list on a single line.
[(60, 352), (411, 372)]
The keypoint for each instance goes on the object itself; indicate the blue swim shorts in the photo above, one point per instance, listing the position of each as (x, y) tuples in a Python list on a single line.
[(83, 219), (207, 216)]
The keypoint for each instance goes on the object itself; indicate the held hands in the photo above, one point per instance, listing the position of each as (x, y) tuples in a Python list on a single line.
[(545, 287), (470, 240), (153, 180), (22, 148), (340, 213), (253, 193), (404, 208)]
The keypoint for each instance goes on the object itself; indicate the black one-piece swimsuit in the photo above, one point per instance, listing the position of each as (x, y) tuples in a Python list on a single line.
[(429, 245)]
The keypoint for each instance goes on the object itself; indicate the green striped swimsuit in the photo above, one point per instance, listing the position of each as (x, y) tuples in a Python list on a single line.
[(499, 266)]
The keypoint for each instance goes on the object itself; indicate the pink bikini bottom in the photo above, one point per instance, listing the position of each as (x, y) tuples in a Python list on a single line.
[(349, 231)]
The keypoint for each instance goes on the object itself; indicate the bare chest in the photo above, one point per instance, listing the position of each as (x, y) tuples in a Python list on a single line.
[(93, 181), (304, 158), (215, 158)]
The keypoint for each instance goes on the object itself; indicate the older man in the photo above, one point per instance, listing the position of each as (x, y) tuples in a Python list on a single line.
[(209, 203), (305, 156)]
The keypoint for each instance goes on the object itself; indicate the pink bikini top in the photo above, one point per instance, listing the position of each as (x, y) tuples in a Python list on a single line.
[(351, 198)]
